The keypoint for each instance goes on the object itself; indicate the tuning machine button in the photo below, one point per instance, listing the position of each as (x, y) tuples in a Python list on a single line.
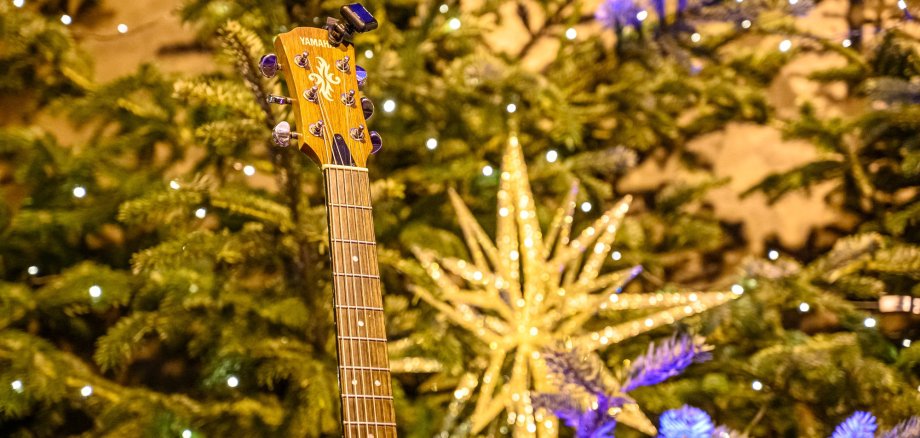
[(303, 60), (312, 94), (367, 107), (361, 76), (278, 100), (376, 142), (357, 133), (342, 64), (316, 128), (349, 98), (282, 134), (269, 65)]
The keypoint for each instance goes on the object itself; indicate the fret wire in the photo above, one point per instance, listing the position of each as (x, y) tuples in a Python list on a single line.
[(360, 207), (363, 242)]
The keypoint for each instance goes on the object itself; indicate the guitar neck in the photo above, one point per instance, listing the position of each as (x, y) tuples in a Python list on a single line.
[(364, 371)]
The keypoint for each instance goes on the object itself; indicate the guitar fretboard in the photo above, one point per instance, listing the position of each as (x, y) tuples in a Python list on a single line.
[(364, 370)]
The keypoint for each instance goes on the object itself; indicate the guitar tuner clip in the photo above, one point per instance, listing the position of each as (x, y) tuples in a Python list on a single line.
[(356, 19)]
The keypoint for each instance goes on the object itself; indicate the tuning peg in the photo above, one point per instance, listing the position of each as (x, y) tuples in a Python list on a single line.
[(303, 60), (312, 94), (268, 65), (349, 98), (376, 142), (282, 134), (357, 133), (278, 100), (316, 128), (368, 107), (342, 64), (361, 76)]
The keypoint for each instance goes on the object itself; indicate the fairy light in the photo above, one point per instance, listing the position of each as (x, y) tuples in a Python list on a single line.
[(746, 24), (793, 2), (122, 28), (201, 213), (902, 5), (785, 45), (756, 385), (737, 289), (487, 170), (511, 108), (642, 15), (186, 433), (846, 43), (696, 37), (773, 254), (454, 23), (16, 385), (443, 8), (368, 53), (86, 391), (19, 3), (95, 291), (804, 307), (66, 19), (431, 144), (233, 381), (586, 206), (571, 33), (616, 255), (249, 170), (906, 343), (33, 270), (175, 185), (552, 156), (79, 192), (389, 105), (869, 322)]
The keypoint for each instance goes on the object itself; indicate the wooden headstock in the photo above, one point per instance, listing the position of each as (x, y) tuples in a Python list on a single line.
[(329, 109)]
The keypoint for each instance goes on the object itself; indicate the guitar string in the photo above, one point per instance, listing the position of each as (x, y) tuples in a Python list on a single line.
[(367, 377)]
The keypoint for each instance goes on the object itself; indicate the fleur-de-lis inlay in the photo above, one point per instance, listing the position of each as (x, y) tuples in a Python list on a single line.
[(323, 78)]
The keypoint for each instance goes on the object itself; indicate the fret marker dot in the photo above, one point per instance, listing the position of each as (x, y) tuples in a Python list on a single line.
[(376, 383), (360, 323), (354, 382), (354, 259)]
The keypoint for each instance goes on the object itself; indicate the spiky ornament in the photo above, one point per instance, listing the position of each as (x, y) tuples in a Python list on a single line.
[(526, 292)]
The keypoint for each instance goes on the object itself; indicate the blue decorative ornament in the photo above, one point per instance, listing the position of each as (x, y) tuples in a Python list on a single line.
[(667, 360), (686, 422), (617, 14), (860, 425), (909, 428)]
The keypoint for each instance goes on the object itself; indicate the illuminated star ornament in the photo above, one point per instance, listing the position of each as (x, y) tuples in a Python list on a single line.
[(527, 292)]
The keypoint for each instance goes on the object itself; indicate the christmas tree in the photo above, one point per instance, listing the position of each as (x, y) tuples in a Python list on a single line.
[(165, 266)]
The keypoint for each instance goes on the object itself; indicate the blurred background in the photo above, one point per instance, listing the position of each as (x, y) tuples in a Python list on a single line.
[(164, 266)]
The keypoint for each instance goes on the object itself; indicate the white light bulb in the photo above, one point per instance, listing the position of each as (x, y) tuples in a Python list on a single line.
[(79, 192), (487, 170), (95, 291), (368, 53), (571, 33), (16, 385), (773, 254), (737, 289), (389, 106), (86, 391), (696, 37), (19, 3), (906, 343), (746, 24), (33, 270), (201, 213), (869, 322), (186, 433), (249, 170), (454, 23), (804, 307), (174, 185), (586, 206), (552, 156), (443, 9), (846, 43), (902, 4), (793, 2), (785, 45), (756, 385), (66, 19), (642, 15), (122, 28), (616, 255), (233, 382), (511, 108), (431, 144)]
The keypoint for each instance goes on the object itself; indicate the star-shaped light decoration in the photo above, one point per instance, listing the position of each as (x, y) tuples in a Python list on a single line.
[(526, 292)]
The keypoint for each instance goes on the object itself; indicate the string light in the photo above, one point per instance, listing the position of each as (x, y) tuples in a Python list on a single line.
[(616, 255), (431, 144), (389, 106), (86, 391), (756, 385), (746, 24), (443, 9), (249, 170), (571, 33), (487, 170), (66, 19), (122, 28), (552, 156), (174, 185), (233, 382), (793, 2), (18, 3), (737, 289), (201, 213), (906, 343), (186, 433), (869, 322), (586, 206), (368, 53), (16, 385), (511, 108), (773, 254), (846, 43), (804, 307), (696, 37), (785, 45), (95, 291), (79, 192), (902, 4), (454, 23), (33, 270), (642, 15)]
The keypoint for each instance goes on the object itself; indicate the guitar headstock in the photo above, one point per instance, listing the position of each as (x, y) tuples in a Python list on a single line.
[(329, 108)]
